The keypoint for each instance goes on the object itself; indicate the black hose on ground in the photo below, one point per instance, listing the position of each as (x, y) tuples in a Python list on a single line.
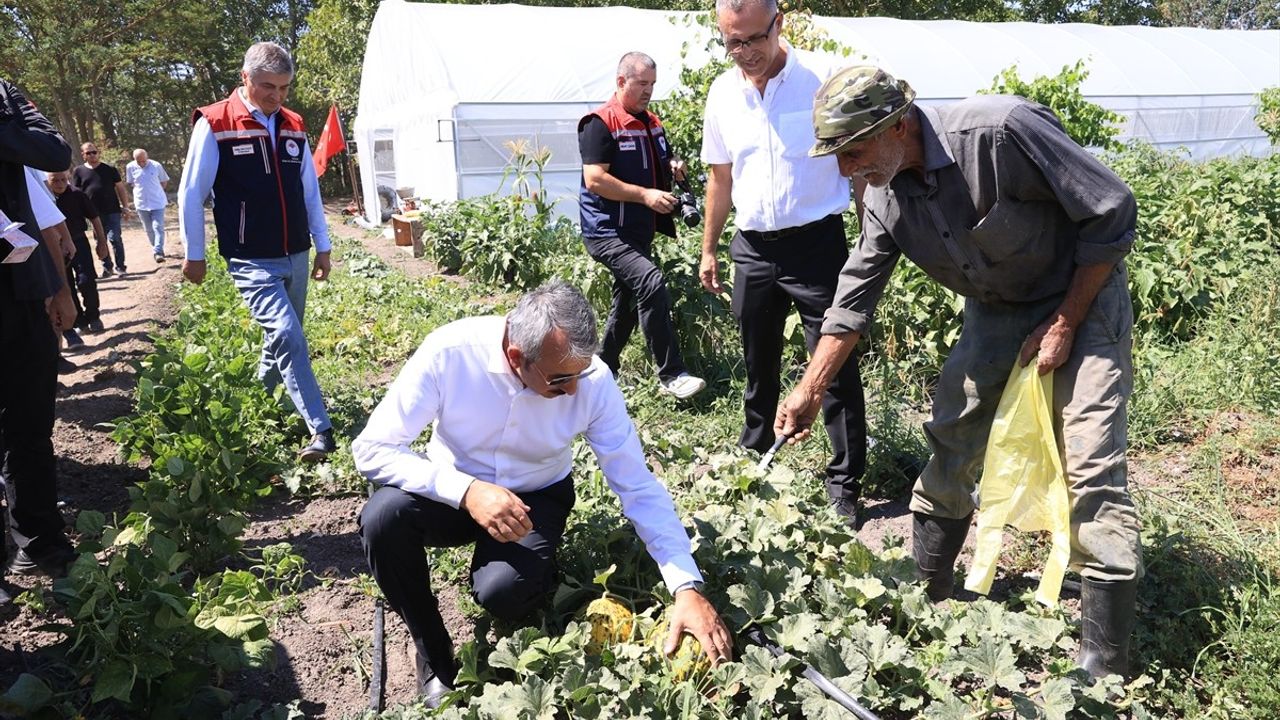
[(378, 675)]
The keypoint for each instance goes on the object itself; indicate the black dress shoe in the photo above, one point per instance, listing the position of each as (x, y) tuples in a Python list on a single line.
[(433, 692), (851, 512), (53, 563), (319, 448)]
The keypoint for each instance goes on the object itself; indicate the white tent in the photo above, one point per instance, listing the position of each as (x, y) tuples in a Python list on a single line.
[(444, 87)]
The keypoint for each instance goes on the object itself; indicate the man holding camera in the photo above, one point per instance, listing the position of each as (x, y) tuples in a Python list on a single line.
[(790, 242), (626, 196)]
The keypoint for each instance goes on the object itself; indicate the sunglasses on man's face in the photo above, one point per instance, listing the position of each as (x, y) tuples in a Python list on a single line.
[(90, 152), (560, 380)]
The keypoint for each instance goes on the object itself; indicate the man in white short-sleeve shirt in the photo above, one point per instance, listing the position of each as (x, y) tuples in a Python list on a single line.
[(149, 181), (790, 241), (506, 398)]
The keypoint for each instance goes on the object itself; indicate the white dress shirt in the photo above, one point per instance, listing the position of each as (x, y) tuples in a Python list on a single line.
[(43, 204), (202, 168), (487, 425), (148, 193), (776, 185)]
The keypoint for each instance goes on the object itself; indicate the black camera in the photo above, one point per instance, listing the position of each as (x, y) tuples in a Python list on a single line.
[(687, 205)]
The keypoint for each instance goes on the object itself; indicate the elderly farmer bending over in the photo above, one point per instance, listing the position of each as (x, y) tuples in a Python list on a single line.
[(506, 398), (992, 199)]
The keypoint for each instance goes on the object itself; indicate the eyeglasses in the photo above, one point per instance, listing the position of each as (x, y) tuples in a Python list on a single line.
[(90, 152), (734, 47), (560, 380)]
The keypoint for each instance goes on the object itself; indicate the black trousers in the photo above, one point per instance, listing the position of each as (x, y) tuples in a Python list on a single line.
[(509, 580), (82, 277), (28, 383), (639, 294), (769, 276)]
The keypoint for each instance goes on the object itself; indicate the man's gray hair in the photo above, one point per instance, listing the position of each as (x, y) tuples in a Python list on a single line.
[(770, 6), (633, 62), (267, 57), (555, 305), (137, 152)]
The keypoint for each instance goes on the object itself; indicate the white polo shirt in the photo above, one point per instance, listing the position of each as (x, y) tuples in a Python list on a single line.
[(776, 185), (487, 425)]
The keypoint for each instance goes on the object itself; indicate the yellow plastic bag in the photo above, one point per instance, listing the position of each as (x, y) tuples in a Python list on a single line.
[(1023, 484)]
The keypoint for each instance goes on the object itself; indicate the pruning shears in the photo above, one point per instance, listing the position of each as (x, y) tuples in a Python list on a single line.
[(756, 636)]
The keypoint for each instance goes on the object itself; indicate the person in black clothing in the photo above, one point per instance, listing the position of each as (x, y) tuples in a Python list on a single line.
[(32, 294), (104, 186), (625, 198), (79, 212)]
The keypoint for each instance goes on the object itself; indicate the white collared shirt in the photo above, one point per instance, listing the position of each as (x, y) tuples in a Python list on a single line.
[(776, 185), (487, 425), (43, 204), (148, 193)]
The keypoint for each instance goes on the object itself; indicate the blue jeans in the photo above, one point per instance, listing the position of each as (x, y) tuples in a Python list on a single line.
[(111, 223), (153, 223), (275, 290)]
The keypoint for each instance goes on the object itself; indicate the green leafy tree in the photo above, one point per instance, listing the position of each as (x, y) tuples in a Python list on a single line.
[(1087, 123), (1268, 117)]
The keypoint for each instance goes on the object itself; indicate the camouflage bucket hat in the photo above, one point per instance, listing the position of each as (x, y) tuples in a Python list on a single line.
[(856, 104)]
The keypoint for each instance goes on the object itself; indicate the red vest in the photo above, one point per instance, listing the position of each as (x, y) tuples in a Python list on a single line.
[(258, 204), (643, 159)]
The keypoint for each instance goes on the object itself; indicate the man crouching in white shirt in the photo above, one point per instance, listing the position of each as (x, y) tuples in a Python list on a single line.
[(506, 398)]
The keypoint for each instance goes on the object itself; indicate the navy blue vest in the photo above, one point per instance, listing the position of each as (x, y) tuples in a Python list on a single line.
[(643, 159), (258, 204)]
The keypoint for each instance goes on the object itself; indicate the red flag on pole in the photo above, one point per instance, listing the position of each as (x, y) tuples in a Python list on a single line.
[(331, 141)]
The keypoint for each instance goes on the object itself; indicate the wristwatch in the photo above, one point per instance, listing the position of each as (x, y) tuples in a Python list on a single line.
[(694, 585)]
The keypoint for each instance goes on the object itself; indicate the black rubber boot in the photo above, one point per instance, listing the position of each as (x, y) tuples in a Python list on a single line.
[(935, 544), (1106, 622)]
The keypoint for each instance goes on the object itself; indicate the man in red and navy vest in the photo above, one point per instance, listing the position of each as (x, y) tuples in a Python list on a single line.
[(251, 153), (625, 198)]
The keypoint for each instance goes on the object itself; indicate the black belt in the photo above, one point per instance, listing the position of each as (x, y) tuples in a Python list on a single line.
[(771, 235)]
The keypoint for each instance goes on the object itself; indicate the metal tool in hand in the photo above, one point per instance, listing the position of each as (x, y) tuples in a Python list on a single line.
[(768, 456), (756, 636)]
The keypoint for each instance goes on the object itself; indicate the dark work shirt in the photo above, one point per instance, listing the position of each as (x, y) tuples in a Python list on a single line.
[(596, 144), (78, 210), (1007, 207), (99, 184)]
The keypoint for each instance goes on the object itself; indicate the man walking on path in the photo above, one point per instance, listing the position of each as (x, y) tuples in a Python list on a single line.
[(626, 198), (790, 241), (149, 181), (251, 152), (34, 304), (993, 199), (506, 398), (79, 212), (104, 186)]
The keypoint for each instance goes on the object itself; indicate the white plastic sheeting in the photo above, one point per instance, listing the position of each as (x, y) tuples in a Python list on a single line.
[(445, 87)]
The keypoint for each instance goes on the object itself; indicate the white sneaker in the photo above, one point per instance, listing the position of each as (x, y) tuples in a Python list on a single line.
[(683, 386)]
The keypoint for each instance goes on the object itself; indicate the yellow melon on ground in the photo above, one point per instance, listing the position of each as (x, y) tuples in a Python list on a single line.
[(611, 622), (688, 660)]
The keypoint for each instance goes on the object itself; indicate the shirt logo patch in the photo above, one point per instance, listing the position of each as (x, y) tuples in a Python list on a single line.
[(662, 143), (242, 149), (291, 146), (626, 144)]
